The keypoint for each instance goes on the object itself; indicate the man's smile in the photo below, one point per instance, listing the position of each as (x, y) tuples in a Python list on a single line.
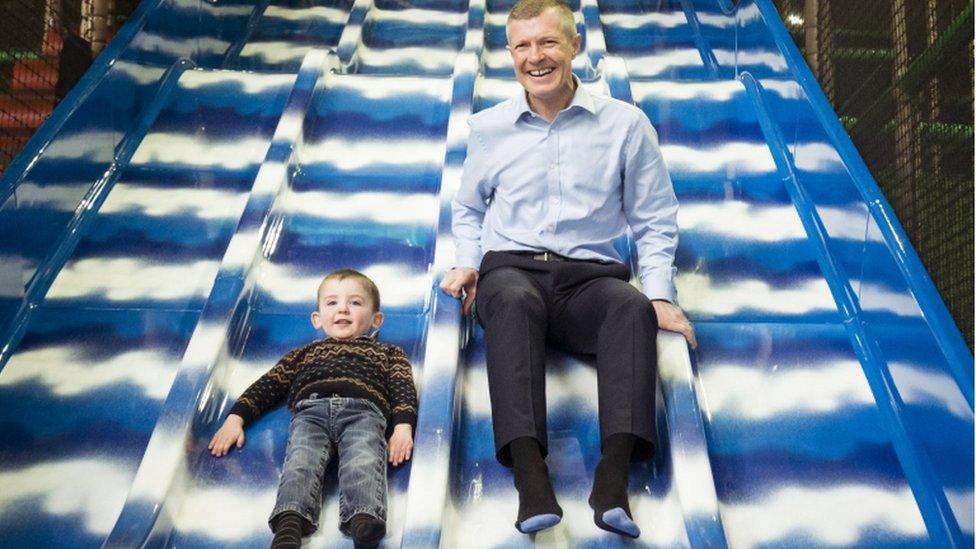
[(541, 72)]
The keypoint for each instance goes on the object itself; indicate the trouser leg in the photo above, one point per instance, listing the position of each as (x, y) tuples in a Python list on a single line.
[(361, 441), (308, 453), (613, 320), (512, 309)]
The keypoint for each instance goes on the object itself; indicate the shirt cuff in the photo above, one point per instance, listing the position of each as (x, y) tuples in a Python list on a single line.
[(659, 287), (468, 259)]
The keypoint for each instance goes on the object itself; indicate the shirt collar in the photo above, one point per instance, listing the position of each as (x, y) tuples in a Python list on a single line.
[(581, 99), (364, 337)]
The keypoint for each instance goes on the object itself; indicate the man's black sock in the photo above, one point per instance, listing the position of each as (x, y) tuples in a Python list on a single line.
[(538, 508), (367, 531), (288, 531), (611, 508)]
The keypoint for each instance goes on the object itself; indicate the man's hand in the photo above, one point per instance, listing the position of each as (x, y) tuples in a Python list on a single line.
[(461, 281), (401, 443), (672, 319), (230, 434)]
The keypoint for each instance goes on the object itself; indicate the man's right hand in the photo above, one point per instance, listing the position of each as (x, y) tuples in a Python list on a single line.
[(462, 281)]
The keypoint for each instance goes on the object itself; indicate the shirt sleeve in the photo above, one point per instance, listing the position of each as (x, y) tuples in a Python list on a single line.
[(401, 389), (268, 390), (651, 209), (470, 204)]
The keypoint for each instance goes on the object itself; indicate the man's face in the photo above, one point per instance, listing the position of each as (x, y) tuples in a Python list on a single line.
[(344, 310), (543, 55)]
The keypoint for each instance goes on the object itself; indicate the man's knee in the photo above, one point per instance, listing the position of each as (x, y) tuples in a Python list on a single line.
[(632, 306), (510, 292)]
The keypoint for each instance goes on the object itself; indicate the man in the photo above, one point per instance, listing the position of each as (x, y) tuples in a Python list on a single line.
[(552, 177)]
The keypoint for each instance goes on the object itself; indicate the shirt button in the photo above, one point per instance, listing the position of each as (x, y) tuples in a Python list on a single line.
[(552, 166)]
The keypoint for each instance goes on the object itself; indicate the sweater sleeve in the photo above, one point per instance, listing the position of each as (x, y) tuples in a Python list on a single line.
[(269, 389), (401, 389)]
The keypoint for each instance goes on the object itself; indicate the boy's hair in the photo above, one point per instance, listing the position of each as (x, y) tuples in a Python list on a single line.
[(529, 9), (365, 281)]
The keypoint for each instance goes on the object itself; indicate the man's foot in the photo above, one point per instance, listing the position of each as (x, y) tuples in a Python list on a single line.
[(367, 531), (538, 508), (288, 531), (611, 508)]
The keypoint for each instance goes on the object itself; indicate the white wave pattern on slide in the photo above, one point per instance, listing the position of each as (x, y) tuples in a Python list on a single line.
[(402, 285), (63, 197), (91, 490), (427, 58), (755, 394), (838, 516), (378, 207), (918, 385), (304, 15), (250, 83), (95, 146), (351, 155), (124, 279), (653, 64), (742, 220), (745, 158), (771, 60), (197, 151), (162, 202), (177, 47), (417, 15), (68, 370), (658, 20), (701, 295), (275, 51), (437, 89)]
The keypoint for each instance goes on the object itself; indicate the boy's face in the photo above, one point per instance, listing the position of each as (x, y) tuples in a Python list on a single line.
[(345, 310)]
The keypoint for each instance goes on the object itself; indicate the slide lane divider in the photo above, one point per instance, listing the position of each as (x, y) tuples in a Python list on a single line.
[(693, 479), (704, 49), (447, 332), (352, 33), (933, 504), (192, 406), (87, 209)]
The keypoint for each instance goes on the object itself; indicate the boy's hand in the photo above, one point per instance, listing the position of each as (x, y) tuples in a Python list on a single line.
[(230, 434), (401, 443)]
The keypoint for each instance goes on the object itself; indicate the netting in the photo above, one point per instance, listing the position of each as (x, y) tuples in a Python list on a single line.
[(899, 73), (45, 47)]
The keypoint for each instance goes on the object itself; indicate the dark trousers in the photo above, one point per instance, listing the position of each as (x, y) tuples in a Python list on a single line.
[(581, 307)]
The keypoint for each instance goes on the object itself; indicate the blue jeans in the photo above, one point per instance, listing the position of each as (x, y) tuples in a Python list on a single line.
[(320, 426)]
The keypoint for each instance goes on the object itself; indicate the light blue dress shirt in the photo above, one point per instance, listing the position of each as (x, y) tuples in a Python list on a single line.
[(571, 187)]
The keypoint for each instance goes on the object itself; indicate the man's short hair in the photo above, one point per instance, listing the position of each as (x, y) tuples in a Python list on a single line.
[(341, 274), (530, 9)]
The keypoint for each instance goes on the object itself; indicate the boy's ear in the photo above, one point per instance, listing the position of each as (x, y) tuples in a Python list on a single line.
[(377, 320), (316, 320)]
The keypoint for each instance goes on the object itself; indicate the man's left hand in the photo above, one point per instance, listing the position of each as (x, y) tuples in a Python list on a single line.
[(672, 319)]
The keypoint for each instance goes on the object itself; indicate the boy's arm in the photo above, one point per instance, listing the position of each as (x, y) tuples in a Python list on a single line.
[(403, 405), (264, 393), (400, 387), (269, 389)]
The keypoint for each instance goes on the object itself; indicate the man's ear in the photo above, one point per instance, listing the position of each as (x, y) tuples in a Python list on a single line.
[(576, 45), (377, 320), (316, 320)]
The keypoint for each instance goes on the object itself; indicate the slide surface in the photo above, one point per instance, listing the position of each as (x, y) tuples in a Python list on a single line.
[(162, 236)]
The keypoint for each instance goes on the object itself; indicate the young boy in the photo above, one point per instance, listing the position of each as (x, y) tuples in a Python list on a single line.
[(343, 391)]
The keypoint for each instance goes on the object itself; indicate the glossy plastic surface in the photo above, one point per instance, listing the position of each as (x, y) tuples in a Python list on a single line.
[(162, 236)]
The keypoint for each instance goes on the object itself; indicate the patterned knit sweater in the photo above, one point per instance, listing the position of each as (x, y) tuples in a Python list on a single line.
[(359, 368)]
